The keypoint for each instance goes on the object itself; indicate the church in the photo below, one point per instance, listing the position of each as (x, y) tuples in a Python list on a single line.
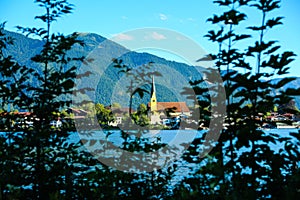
[(160, 111)]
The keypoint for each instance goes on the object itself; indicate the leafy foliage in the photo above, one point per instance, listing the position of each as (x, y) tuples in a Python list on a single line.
[(243, 163), (38, 161), (45, 160)]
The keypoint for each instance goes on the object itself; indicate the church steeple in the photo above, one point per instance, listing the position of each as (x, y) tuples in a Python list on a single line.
[(153, 100)]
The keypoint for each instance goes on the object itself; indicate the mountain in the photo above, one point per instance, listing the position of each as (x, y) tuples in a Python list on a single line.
[(110, 85), (289, 107), (295, 84)]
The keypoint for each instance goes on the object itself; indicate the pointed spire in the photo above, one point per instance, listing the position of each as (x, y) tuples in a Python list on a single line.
[(153, 101), (153, 86)]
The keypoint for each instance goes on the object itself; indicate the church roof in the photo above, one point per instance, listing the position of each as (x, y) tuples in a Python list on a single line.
[(173, 106)]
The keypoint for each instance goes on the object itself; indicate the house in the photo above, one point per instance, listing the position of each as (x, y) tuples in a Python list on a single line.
[(78, 113), (119, 114), (78, 117), (160, 111), (165, 113), (16, 119), (25, 119)]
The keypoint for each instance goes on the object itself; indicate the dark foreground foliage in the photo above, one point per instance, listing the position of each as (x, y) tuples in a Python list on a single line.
[(38, 161)]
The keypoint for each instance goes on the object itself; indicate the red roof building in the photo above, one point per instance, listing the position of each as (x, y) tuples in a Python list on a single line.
[(170, 109)]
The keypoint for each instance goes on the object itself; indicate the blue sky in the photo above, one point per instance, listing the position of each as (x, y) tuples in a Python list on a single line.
[(111, 17)]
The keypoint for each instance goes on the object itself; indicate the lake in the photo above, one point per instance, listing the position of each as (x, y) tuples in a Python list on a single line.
[(167, 136), (170, 137), (177, 140)]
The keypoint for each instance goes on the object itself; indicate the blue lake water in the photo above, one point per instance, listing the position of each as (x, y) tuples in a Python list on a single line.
[(170, 137), (173, 138), (167, 136)]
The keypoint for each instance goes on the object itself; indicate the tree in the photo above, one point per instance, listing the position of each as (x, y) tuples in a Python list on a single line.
[(116, 105), (13, 84), (43, 160), (243, 164), (104, 115), (140, 117), (138, 78), (39, 162)]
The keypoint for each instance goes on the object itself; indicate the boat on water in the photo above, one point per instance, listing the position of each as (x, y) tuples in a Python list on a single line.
[(288, 127), (280, 125), (284, 125)]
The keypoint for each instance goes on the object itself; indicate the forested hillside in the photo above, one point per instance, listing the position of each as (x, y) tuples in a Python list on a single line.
[(25, 48)]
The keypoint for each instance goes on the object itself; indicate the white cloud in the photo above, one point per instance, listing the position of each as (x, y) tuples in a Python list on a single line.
[(122, 37), (124, 17), (156, 36), (163, 17), (180, 38)]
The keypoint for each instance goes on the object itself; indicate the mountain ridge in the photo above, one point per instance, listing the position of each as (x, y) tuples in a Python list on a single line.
[(25, 48)]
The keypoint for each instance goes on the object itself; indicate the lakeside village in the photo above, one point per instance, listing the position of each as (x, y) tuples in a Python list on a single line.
[(162, 115)]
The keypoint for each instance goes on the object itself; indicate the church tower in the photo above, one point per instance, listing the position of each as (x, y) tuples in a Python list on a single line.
[(153, 100)]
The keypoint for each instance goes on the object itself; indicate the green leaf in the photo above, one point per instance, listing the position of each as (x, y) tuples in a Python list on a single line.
[(274, 22), (292, 91), (223, 3), (241, 37), (283, 82)]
